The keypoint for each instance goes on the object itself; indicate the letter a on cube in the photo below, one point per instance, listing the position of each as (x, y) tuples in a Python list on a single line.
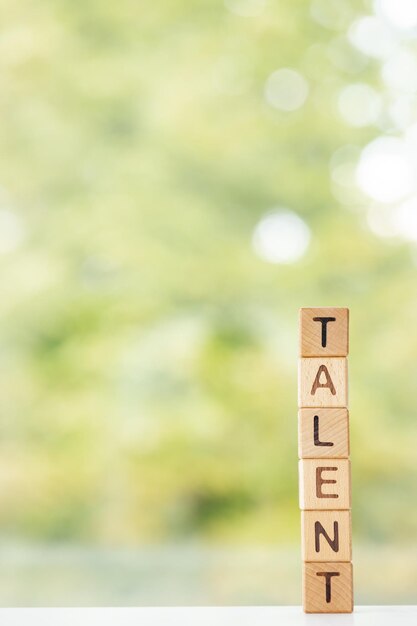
[(322, 382)]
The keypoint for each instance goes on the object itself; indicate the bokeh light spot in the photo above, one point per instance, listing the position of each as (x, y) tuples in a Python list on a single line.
[(402, 110), (332, 14), (401, 14), (286, 90), (399, 72), (385, 170), (359, 104), (372, 37), (405, 219), (281, 237)]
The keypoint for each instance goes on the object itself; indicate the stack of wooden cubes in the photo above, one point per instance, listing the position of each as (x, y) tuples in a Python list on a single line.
[(324, 466)]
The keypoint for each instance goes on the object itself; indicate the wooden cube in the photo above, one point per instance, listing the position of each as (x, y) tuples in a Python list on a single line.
[(324, 484), (326, 535), (324, 331), (323, 433), (322, 382), (327, 587)]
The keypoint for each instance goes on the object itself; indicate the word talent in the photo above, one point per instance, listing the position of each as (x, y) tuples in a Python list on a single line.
[(324, 466)]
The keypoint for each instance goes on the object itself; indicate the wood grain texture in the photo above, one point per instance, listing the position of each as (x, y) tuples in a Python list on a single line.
[(314, 329), (317, 428), (327, 587), (322, 382), (338, 527), (324, 484)]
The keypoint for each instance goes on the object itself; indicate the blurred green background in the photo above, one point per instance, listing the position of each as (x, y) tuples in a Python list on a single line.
[(177, 179)]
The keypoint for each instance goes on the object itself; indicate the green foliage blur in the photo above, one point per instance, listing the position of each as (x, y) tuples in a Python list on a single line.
[(148, 356)]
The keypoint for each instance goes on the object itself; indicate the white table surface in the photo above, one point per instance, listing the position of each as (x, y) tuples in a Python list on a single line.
[(207, 616)]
